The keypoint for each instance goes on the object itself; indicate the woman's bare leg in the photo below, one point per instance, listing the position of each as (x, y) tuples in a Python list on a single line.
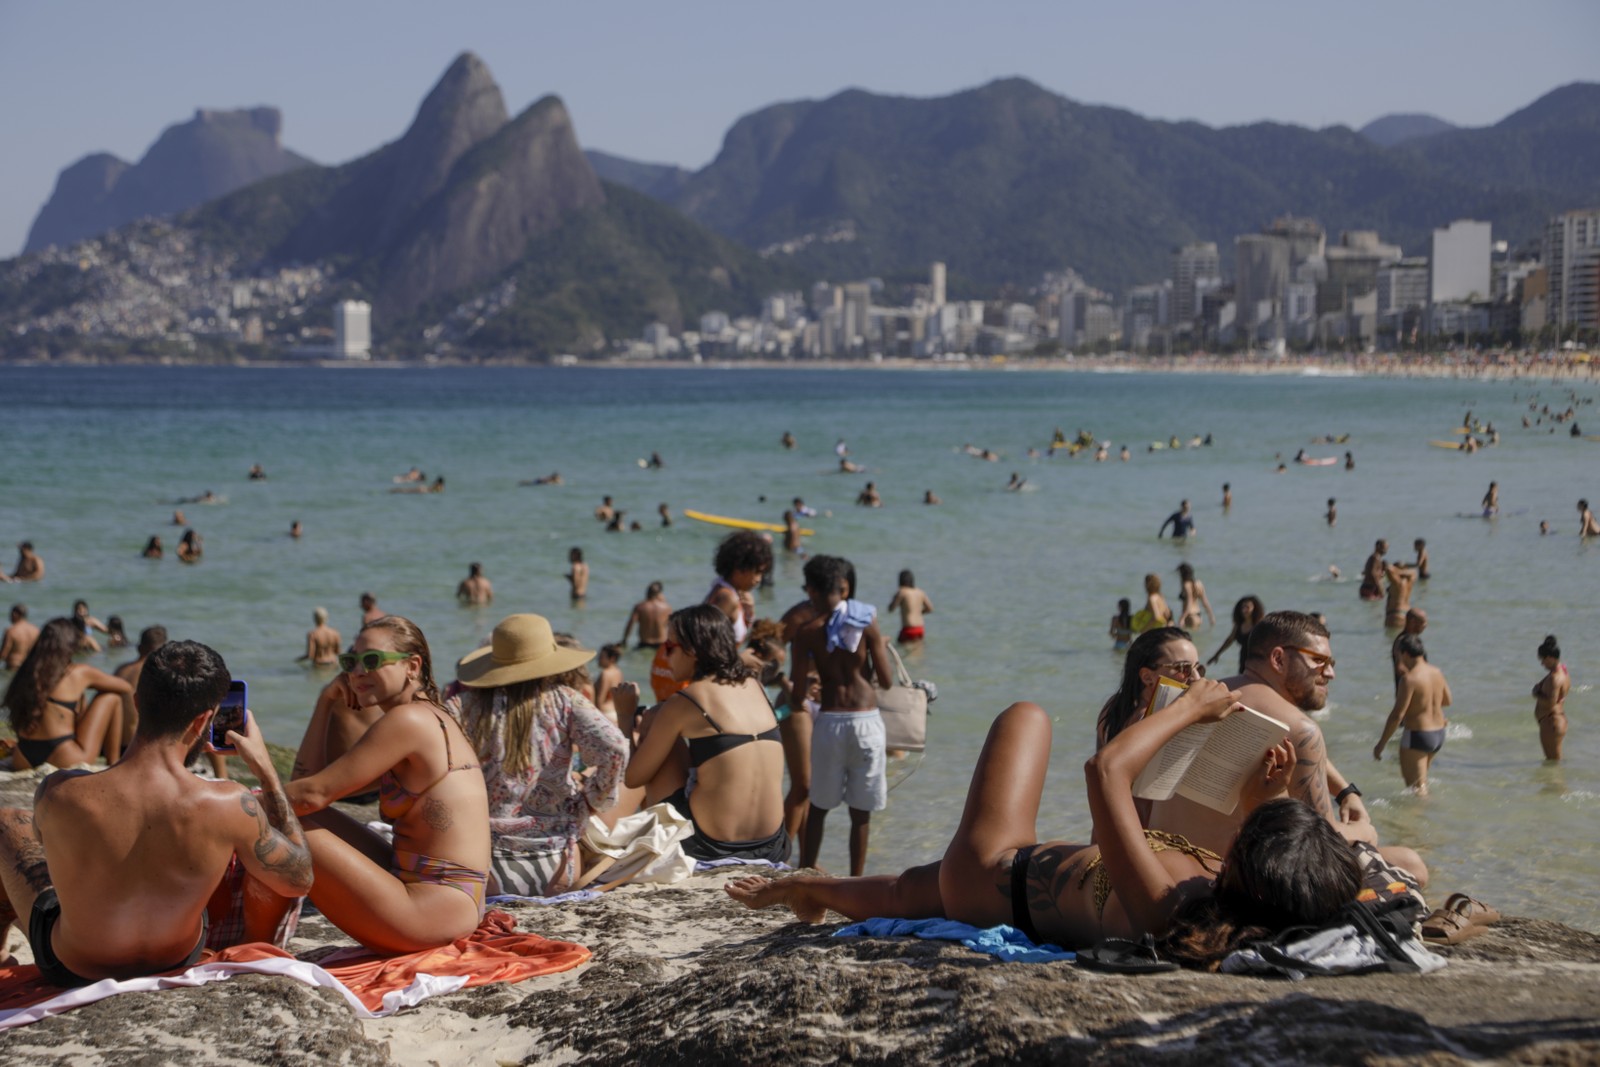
[(795, 732), (1552, 728), (1001, 815), (912, 894)]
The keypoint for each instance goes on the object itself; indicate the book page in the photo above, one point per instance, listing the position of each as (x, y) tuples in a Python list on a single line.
[(1160, 777), (1232, 752)]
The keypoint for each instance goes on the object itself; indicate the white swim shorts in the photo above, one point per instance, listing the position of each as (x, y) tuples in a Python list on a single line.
[(847, 760)]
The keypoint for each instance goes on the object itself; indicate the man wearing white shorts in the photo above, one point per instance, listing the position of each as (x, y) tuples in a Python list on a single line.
[(843, 645)]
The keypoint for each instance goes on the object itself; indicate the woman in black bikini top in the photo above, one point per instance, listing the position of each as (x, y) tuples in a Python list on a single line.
[(46, 702), (730, 740)]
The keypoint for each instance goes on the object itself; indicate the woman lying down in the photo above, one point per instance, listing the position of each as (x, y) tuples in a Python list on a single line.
[(1287, 867)]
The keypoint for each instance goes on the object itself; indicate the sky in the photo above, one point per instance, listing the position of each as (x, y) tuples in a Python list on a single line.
[(663, 81)]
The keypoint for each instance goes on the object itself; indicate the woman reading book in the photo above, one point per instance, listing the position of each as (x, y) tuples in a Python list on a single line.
[(1287, 867)]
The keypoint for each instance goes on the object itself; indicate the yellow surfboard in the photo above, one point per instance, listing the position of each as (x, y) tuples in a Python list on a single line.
[(740, 524), (1454, 446)]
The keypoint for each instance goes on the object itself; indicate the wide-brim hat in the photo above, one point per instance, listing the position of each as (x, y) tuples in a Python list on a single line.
[(522, 648)]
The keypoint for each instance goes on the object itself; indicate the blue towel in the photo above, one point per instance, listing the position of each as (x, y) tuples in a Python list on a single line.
[(1002, 941), (573, 897), (847, 623)]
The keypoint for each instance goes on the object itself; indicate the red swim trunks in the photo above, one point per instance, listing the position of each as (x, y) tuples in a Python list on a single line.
[(910, 633)]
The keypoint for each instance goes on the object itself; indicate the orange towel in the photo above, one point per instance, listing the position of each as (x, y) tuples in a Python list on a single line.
[(494, 952)]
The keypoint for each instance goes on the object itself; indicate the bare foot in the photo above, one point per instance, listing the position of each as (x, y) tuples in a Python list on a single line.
[(758, 892)]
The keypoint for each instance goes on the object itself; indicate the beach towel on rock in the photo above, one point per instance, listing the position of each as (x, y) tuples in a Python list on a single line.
[(1003, 942), (373, 985)]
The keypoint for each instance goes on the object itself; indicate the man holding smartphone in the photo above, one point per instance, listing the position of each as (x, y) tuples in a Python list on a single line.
[(113, 872)]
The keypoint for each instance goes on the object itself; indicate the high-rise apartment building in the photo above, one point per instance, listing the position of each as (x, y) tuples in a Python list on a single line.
[(1572, 256), (1263, 265), (936, 283), (1193, 266), (352, 329)]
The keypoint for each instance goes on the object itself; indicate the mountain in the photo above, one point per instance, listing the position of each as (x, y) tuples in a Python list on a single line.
[(1391, 130), (474, 232), (1009, 180), (659, 180), (213, 154)]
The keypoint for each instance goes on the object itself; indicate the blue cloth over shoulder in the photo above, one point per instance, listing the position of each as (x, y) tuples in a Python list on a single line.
[(1002, 941)]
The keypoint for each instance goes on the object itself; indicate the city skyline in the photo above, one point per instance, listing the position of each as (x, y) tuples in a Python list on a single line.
[(666, 86)]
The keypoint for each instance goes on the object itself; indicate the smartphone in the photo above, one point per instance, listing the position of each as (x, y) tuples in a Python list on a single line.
[(231, 715)]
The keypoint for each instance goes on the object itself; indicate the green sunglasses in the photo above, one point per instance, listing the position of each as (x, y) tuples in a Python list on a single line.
[(370, 660)]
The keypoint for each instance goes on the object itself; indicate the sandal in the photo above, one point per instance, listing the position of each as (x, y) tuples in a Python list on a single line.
[(1446, 927), (1119, 956), (1475, 912)]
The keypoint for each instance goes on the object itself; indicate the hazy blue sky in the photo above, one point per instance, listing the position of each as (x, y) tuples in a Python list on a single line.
[(662, 81)]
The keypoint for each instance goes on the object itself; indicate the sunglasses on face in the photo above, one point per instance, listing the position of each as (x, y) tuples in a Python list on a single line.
[(370, 660), (1321, 660), (1182, 668), (669, 647)]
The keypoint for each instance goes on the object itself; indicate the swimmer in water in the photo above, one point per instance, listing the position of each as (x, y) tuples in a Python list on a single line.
[(1333, 511), (930, 497)]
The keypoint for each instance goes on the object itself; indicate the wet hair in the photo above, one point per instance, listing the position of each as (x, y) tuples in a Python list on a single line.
[(1549, 649), (80, 606), (744, 550), (1253, 602), (707, 635), (1152, 583), (1420, 543), (474, 569), (407, 637), (151, 638), (46, 663), (153, 545), (1410, 645), (19, 611), (575, 555), (826, 573), (1124, 706), (612, 652), (1124, 611), (319, 616), (27, 546), (1186, 572), (1287, 867), (368, 600), (907, 579), (1584, 504), (114, 626), (653, 589), (1282, 628), (180, 680)]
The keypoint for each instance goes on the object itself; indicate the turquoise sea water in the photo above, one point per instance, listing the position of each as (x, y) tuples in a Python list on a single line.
[(1023, 583)]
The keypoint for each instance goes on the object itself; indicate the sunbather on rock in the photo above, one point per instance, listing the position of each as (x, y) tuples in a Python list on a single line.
[(120, 873), (1288, 866)]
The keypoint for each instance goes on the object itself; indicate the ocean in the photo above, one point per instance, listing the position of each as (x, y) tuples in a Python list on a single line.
[(1023, 583)]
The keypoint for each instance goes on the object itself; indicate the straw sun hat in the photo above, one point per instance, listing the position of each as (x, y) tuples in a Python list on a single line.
[(523, 648)]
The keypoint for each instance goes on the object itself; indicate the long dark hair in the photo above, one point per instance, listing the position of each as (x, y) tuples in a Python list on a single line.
[(1288, 867), (1550, 649), (1123, 709), (706, 634), (1258, 610), (47, 662)]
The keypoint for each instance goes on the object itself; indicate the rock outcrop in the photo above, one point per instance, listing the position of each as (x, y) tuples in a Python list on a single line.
[(191, 163), (682, 974)]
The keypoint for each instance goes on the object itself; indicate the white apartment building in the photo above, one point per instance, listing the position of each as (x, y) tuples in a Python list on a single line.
[(352, 329), (1572, 255)]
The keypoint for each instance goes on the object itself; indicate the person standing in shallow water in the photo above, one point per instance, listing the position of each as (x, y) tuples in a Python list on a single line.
[(1419, 703), (1550, 698)]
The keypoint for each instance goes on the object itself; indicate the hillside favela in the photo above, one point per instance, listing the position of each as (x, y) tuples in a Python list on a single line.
[(475, 531)]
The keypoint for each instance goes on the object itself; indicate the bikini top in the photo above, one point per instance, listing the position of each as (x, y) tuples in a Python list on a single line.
[(704, 748), (395, 801)]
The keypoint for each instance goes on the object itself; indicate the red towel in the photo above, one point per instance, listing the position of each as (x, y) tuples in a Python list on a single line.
[(494, 952)]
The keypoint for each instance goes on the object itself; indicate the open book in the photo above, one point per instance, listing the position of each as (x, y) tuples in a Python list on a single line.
[(1209, 761)]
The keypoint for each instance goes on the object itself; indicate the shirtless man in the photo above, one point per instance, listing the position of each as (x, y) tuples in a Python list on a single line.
[(1286, 675), (474, 588), (651, 616), (323, 642), (370, 609), (913, 604), (868, 497), (121, 872), (1587, 526), (843, 645), (18, 639), (29, 568), (1421, 563), (1419, 703), (578, 576), (1372, 571), (791, 534), (1401, 579), (606, 511)]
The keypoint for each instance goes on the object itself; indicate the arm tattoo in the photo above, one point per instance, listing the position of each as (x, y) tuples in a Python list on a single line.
[(1309, 781), (280, 844)]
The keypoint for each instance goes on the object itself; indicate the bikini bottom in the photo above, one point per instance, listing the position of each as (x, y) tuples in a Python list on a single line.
[(413, 868)]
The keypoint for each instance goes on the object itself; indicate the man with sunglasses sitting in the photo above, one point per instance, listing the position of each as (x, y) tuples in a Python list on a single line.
[(1286, 674)]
